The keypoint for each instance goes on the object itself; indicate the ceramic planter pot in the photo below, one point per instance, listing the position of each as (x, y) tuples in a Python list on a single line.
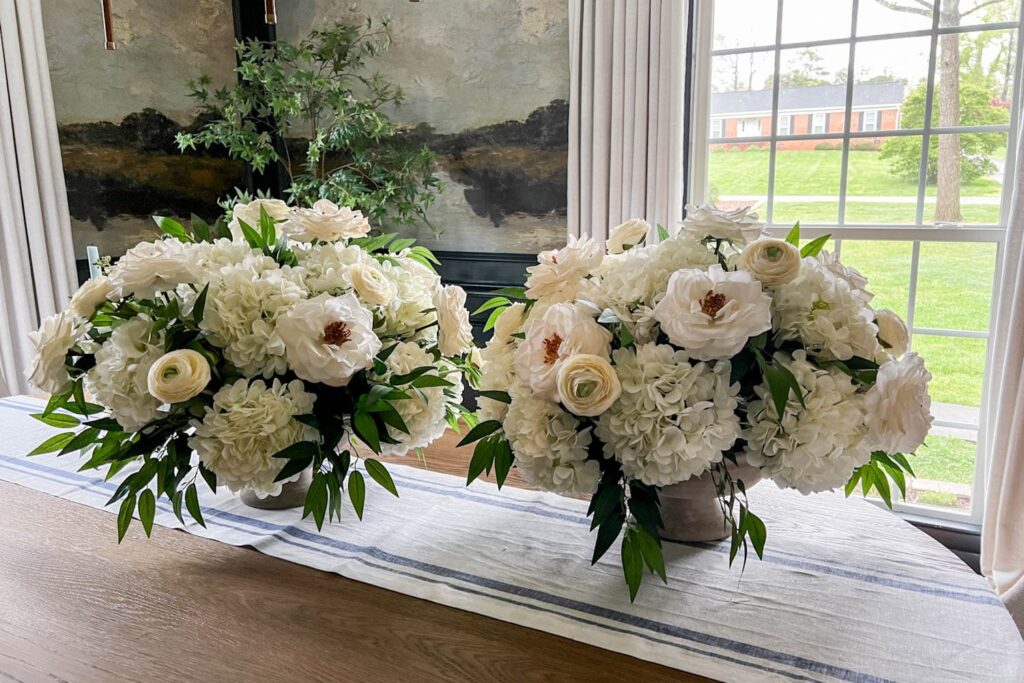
[(691, 510), (293, 494)]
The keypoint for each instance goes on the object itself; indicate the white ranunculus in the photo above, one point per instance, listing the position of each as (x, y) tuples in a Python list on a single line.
[(772, 261), (249, 213), (892, 331), (711, 314), (509, 322), (52, 342), (120, 379), (556, 277), (562, 331), (371, 285), (739, 226), (246, 425), (327, 222), (151, 267), (90, 296), (857, 282), (898, 406), (454, 334), (329, 338), (587, 384), (627, 235), (178, 376)]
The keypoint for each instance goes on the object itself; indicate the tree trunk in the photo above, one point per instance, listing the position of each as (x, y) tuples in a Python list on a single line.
[(947, 200)]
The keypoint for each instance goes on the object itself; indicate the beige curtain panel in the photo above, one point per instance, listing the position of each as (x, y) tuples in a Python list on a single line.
[(626, 61), (37, 271)]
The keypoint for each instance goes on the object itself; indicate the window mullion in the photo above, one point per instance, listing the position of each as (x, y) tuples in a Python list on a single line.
[(847, 115), (775, 114), (929, 99)]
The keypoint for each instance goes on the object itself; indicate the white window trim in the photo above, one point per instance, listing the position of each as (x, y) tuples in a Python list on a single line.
[(717, 128), (788, 128), (874, 120), (819, 119), (701, 56)]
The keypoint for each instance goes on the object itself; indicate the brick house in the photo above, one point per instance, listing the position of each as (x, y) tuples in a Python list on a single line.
[(816, 109)]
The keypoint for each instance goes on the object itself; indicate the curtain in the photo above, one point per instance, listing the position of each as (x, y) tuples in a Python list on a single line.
[(1002, 535), (626, 62), (37, 272)]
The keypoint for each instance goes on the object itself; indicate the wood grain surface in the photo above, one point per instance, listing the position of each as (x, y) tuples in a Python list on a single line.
[(75, 606)]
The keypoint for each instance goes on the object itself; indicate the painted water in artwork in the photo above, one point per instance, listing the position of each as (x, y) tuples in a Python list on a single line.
[(485, 83)]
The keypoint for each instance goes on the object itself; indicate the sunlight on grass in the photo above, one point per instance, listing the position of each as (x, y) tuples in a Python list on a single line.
[(944, 458), (954, 285), (957, 366)]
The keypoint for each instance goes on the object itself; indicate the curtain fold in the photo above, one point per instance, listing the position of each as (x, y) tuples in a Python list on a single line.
[(1002, 536), (37, 271), (625, 113)]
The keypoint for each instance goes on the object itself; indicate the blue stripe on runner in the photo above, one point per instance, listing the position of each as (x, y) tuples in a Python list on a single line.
[(519, 591)]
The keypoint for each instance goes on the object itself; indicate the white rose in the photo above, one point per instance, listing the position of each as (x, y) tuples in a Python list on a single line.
[(327, 222), (558, 273), (739, 226), (151, 267), (563, 330), (90, 296), (52, 342), (892, 331), (627, 235), (178, 376), (772, 261), (712, 314), (371, 285), (250, 215), (454, 332), (509, 322), (898, 406), (587, 384), (328, 339)]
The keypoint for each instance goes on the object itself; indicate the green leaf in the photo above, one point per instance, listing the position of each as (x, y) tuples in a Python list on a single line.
[(780, 382), (502, 461), (650, 549), (756, 532), (299, 449), (492, 319), (426, 381), (124, 517), (82, 440), (267, 231), (59, 420), (107, 424), (251, 236), (209, 477), (662, 232), (147, 511), (366, 429), (482, 460), (814, 247), (176, 502), (293, 467), (480, 431), (903, 462), (200, 228), (380, 474), (493, 302), (882, 486), (316, 500), (199, 308), (501, 396), (607, 532), (511, 292), (794, 235), (192, 504), (632, 564), (357, 491), (852, 484), (54, 443), (173, 228)]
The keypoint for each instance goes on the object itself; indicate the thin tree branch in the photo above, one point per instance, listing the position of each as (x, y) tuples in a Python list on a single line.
[(978, 7), (924, 10)]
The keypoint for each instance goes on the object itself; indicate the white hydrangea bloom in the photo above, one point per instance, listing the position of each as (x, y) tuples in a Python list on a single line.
[(246, 425), (120, 379), (858, 283), (326, 267), (674, 417), (550, 450), (221, 253), (497, 373), (425, 409), (412, 306), (817, 447), (822, 311), (151, 267)]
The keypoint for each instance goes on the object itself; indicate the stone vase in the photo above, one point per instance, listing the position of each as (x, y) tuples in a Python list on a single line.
[(691, 510), (293, 494)]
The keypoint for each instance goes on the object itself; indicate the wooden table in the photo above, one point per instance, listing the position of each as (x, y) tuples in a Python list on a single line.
[(75, 606)]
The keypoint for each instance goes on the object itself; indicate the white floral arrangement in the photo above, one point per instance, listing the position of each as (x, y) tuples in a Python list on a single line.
[(252, 350), (616, 373)]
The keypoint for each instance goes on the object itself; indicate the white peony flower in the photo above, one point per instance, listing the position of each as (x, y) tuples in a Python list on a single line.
[(772, 261), (496, 374), (52, 342), (454, 334), (587, 384), (627, 235), (120, 379), (178, 376), (328, 339), (814, 448), (551, 450), (713, 313), (327, 222), (898, 406), (425, 409), (151, 267), (246, 425), (250, 214), (563, 330), (557, 275), (892, 331), (739, 226), (822, 311), (857, 282), (412, 307), (90, 296), (509, 322), (370, 284), (674, 417)]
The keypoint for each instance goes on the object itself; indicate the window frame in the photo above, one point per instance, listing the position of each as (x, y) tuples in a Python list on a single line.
[(788, 128), (819, 119), (701, 54), (719, 123), (874, 120)]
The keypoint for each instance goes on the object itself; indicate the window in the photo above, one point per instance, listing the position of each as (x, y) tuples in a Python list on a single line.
[(878, 176), (749, 128), (716, 128)]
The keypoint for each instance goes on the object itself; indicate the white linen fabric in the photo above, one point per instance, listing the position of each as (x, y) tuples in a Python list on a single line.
[(37, 272), (626, 66), (1002, 532), (846, 591)]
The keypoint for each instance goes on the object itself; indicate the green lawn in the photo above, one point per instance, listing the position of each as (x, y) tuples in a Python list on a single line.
[(945, 458)]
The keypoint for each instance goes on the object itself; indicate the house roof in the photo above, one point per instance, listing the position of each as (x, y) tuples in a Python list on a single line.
[(889, 93)]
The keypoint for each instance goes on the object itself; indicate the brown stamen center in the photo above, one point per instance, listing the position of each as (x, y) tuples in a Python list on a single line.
[(551, 346), (712, 303), (336, 333)]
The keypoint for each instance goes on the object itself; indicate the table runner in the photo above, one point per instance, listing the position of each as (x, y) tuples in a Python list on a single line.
[(846, 591)]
